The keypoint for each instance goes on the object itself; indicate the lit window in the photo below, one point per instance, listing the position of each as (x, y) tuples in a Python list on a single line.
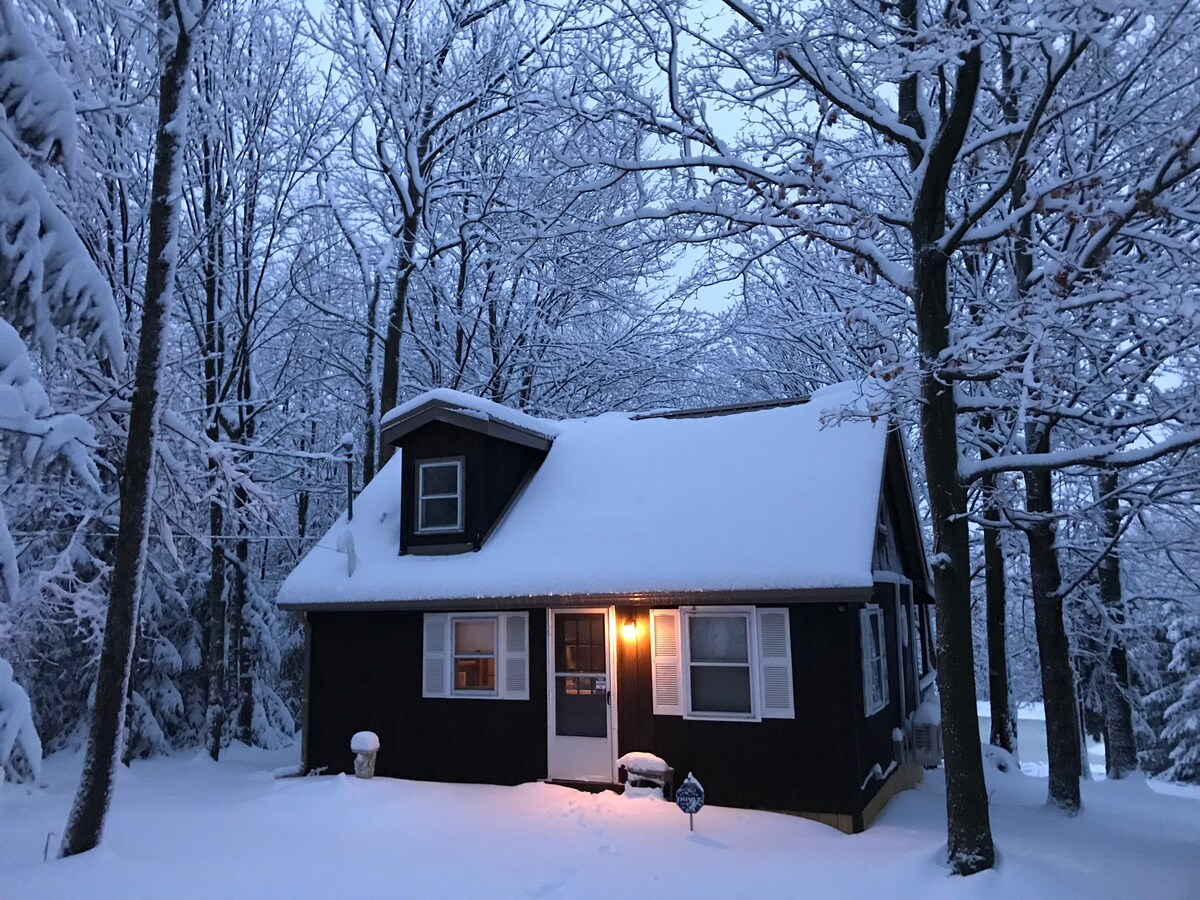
[(874, 660), (439, 496), (475, 654), (718, 664), (723, 663)]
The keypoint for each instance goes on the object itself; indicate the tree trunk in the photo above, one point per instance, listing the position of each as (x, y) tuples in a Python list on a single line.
[(969, 836), (389, 389), (214, 376), (214, 642), (239, 598), (1119, 745), (1054, 652), (86, 820), (370, 418), (968, 823), (1004, 723)]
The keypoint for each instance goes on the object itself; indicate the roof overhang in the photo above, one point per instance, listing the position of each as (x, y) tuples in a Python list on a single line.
[(728, 409), (746, 597), (437, 410)]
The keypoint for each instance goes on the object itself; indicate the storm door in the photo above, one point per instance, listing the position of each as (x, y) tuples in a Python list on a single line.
[(581, 696)]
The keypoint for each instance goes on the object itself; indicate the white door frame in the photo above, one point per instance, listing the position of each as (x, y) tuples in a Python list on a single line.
[(610, 641)]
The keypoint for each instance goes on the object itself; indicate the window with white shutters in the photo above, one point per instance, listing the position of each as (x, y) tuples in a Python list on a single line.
[(476, 655), (722, 662), (719, 663)]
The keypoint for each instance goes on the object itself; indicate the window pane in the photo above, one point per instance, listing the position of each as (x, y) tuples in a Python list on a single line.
[(580, 708), (439, 513), (718, 639), (579, 642), (721, 689), (478, 674), (475, 636), (439, 479)]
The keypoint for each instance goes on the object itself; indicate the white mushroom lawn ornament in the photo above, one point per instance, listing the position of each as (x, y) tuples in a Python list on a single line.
[(364, 745)]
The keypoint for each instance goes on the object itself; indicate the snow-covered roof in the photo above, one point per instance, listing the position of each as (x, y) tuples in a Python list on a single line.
[(467, 410), (782, 498)]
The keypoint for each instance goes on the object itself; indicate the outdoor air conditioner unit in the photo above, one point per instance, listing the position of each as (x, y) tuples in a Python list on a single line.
[(927, 743), (927, 732)]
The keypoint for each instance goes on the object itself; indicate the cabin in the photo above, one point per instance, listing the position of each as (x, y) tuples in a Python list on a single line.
[(741, 591)]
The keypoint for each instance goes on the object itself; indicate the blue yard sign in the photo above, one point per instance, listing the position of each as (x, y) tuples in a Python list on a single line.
[(689, 797)]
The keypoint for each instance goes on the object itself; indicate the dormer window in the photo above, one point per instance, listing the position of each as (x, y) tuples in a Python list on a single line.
[(439, 496)]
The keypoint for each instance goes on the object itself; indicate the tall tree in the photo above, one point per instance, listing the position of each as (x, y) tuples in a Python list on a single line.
[(1119, 743), (889, 139), (85, 823)]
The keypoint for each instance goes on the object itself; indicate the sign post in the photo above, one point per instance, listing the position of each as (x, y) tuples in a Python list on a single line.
[(689, 797)]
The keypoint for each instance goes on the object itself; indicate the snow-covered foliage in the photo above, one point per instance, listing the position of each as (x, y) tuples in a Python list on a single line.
[(53, 294), (382, 197), (1179, 699), (38, 105), (52, 285), (20, 746)]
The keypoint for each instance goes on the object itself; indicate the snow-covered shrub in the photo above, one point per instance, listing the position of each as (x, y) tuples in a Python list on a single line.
[(1181, 716), (1154, 685), (20, 746)]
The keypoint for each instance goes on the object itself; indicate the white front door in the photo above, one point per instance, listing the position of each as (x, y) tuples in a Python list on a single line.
[(580, 700)]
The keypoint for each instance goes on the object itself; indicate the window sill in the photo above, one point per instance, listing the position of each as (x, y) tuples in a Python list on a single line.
[(720, 717), (439, 549)]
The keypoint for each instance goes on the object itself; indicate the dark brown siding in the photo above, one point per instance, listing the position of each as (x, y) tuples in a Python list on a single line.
[(366, 675), (800, 765), (493, 471), (875, 733)]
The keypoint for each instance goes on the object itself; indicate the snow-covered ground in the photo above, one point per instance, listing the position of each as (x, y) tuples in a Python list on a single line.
[(186, 827), (1031, 741)]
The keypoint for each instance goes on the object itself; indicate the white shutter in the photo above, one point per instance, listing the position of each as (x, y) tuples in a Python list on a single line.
[(665, 662), (435, 663), (514, 656), (775, 664)]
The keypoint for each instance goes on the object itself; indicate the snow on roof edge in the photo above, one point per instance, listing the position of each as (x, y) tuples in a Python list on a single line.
[(472, 404)]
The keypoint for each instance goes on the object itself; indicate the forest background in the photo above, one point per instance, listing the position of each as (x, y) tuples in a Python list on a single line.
[(616, 205)]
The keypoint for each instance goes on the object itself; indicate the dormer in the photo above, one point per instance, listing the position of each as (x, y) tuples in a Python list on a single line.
[(464, 461)]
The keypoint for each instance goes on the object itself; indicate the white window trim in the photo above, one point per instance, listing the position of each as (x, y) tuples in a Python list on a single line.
[(512, 662), (424, 464), (871, 703), (685, 645), (498, 636)]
